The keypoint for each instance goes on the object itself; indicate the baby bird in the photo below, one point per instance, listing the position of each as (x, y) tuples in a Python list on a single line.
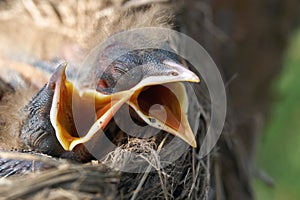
[(139, 79)]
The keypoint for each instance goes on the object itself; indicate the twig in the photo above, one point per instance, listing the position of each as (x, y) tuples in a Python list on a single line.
[(266, 178), (30, 157), (141, 183), (138, 3)]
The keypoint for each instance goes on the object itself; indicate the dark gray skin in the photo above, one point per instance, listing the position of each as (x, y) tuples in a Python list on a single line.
[(129, 69), (37, 132)]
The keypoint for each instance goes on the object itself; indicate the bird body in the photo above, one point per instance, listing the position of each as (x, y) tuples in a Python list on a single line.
[(140, 79), (147, 80), (143, 74)]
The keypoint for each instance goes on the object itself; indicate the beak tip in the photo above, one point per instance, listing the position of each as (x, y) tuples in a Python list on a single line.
[(58, 74), (194, 144), (195, 79)]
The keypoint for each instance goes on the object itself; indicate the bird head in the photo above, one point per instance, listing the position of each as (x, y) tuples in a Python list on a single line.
[(141, 79)]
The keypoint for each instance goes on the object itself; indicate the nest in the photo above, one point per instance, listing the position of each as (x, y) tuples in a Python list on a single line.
[(40, 176)]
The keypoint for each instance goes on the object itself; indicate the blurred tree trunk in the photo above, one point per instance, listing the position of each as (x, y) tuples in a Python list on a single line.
[(247, 40)]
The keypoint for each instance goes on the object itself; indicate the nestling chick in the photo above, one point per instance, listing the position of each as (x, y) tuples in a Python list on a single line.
[(46, 124)]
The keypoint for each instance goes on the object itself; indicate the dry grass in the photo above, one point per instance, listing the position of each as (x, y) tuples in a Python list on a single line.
[(49, 176), (187, 177)]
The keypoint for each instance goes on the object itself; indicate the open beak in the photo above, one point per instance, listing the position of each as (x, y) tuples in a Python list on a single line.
[(67, 99), (160, 100)]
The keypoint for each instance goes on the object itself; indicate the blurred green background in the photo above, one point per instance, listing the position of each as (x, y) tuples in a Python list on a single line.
[(279, 150)]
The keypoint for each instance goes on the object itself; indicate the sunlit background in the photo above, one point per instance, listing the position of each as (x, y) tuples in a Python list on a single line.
[(279, 149)]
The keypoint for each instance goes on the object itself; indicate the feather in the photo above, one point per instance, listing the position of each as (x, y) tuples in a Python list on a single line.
[(19, 79), (11, 117)]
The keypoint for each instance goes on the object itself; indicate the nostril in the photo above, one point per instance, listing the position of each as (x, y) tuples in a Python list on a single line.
[(174, 73)]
